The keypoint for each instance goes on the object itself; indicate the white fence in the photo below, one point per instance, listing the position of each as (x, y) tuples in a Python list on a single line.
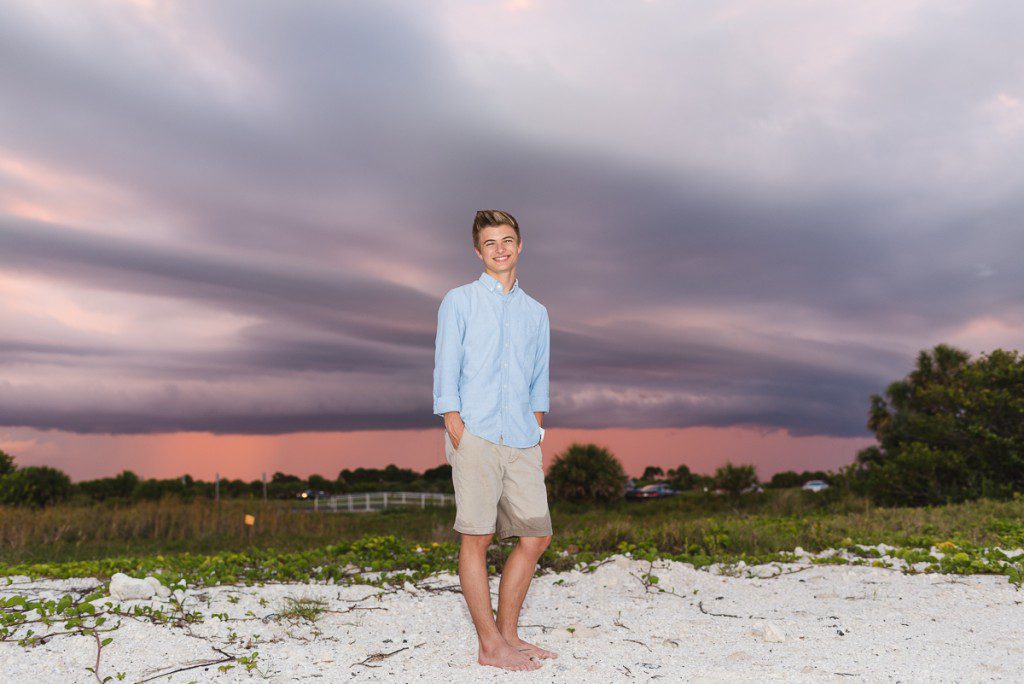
[(378, 501)]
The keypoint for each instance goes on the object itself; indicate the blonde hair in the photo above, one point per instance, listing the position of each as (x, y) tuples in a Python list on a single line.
[(487, 218)]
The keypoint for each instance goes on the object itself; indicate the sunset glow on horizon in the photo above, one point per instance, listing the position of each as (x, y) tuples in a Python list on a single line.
[(247, 457)]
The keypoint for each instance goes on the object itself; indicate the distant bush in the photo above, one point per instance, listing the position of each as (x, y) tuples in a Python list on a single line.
[(791, 478), (442, 472), (6, 463), (120, 487), (653, 473), (34, 486), (733, 479), (586, 472), (682, 479)]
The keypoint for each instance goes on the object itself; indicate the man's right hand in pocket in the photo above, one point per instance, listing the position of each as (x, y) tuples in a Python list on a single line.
[(454, 425)]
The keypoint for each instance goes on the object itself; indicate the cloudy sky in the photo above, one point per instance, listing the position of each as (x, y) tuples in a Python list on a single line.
[(225, 227)]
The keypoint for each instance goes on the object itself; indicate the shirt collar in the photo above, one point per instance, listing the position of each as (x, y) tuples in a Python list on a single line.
[(494, 285)]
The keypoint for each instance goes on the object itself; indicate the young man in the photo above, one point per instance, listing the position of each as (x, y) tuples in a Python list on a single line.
[(491, 385)]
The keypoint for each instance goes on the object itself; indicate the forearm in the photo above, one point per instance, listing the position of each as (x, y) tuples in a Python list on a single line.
[(540, 417)]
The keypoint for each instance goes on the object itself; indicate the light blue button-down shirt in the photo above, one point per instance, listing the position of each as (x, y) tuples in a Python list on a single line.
[(491, 360)]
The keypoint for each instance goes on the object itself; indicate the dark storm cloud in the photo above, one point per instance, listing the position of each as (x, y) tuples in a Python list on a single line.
[(327, 298), (293, 143), (621, 358), (328, 109), (91, 421)]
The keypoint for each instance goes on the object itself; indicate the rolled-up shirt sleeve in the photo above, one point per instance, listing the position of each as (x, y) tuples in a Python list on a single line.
[(539, 400), (448, 351)]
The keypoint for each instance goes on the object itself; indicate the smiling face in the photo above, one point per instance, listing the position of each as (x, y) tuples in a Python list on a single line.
[(499, 249)]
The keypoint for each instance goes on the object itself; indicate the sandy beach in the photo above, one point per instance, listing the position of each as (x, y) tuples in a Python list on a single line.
[(784, 621)]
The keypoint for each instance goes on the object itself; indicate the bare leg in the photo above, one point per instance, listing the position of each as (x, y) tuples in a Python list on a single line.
[(493, 649), (515, 582)]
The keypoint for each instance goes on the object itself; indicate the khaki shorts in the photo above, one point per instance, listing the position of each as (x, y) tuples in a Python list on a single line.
[(498, 486)]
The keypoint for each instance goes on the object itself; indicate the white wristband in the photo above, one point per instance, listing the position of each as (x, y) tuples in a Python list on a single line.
[(541, 433)]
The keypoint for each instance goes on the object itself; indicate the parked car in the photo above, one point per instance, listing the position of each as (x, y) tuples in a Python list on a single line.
[(753, 489), (652, 491), (312, 494), (815, 485)]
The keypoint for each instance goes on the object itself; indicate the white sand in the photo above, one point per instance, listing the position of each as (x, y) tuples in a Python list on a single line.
[(839, 623)]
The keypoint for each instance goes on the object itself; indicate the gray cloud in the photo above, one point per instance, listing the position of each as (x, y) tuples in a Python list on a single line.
[(293, 164)]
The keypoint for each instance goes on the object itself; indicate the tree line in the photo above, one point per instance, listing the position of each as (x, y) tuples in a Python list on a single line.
[(682, 479), (44, 485)]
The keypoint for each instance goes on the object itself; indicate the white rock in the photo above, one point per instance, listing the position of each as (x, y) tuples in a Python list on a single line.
[(179, 595), (158, 589), (773, 633), (125, 588), (621, 562)]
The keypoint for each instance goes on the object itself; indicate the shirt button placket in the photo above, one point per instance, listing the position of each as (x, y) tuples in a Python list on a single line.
[(504, 371)]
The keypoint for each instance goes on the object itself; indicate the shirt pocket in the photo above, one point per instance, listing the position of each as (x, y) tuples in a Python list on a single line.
[(531, 343)]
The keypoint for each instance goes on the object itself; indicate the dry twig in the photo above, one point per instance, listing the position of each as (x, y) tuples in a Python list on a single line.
[(202, 663), (700, 604), (635, 641), (377, 657)]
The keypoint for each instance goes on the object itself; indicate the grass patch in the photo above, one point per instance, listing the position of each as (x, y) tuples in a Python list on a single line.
[(771, 520), (302, 608)]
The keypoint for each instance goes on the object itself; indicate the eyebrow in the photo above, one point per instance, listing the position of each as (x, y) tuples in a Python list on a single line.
[(507, 237)]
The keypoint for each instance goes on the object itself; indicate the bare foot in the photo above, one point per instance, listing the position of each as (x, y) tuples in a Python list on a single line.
[(529, 649), (506, 657)]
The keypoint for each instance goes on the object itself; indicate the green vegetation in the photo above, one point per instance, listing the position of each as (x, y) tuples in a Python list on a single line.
[(586, 472), (734, 479), (952, 430), (672, 528), (791, 478), (34, 486), (303, 608), (682, 479), (694, 523), (42, 486)]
